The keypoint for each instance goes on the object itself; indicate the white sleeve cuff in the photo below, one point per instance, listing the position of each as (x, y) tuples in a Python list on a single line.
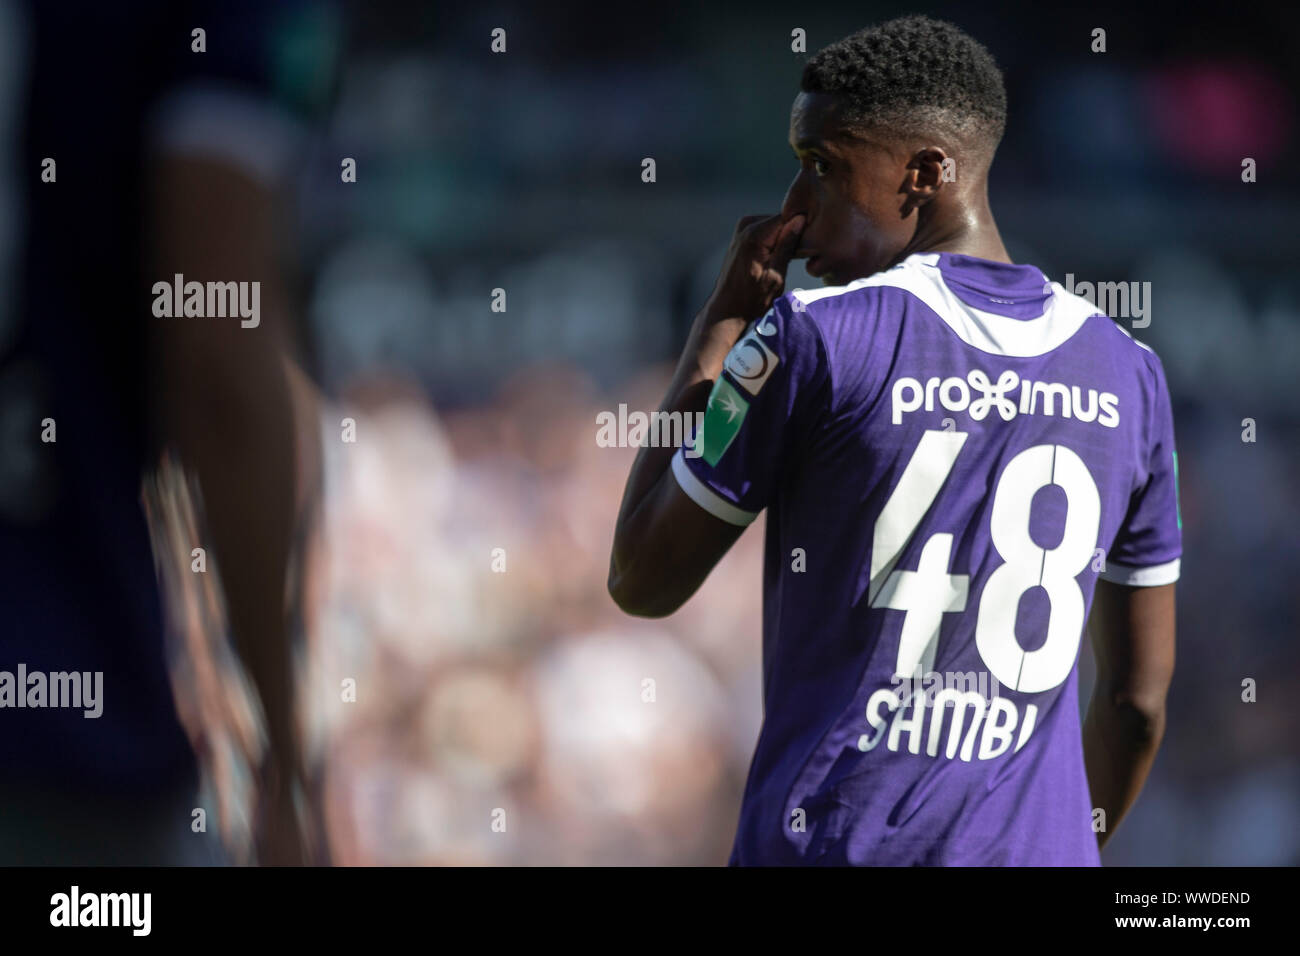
[(1148, 577), (706, 497)]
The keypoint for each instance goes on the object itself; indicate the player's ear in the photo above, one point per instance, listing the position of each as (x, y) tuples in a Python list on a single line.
[(925, 177)]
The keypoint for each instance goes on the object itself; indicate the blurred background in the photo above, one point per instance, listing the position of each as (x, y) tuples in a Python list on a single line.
[(507, 680)]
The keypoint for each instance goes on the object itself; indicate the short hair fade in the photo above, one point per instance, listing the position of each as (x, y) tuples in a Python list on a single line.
[(913, 74)]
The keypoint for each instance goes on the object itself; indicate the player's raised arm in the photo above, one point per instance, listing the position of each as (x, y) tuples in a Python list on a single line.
[(1132, 632), (665, 544)]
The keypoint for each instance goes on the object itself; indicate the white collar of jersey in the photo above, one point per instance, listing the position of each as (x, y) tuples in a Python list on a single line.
[(989, 332)]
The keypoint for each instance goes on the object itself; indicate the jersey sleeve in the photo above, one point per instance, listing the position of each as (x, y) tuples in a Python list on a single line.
[(763, 408), (1147, 551)]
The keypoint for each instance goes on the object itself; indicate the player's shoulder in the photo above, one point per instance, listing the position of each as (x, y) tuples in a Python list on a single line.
[(1133, 365), (1122, 346), (831, 303), (832, 315), (845, 325), (1128, 345), (875, 304), (788, 326)]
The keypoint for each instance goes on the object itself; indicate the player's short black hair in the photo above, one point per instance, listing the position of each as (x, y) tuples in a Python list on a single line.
[(914, 75)]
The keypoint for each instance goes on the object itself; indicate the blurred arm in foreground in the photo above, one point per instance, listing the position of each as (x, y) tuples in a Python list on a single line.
[(224, 398)]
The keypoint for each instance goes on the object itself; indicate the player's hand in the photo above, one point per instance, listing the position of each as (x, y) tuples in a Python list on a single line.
[(753, 273)]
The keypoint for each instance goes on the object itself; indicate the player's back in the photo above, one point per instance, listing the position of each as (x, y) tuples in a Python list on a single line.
[(958, 448)]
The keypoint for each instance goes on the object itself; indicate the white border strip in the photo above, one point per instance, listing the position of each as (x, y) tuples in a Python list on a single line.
[(1148, 577), (706, 497)]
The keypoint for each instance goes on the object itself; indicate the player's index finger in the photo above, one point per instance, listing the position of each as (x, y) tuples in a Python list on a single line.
[(785, 239), (769, 232)]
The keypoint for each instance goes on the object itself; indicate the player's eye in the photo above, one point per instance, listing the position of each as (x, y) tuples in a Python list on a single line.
[(820, 166)]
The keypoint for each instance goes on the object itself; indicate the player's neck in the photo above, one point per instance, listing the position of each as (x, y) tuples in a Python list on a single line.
[(967, 231)]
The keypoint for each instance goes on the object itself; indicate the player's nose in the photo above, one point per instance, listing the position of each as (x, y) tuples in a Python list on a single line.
[(796, 198)]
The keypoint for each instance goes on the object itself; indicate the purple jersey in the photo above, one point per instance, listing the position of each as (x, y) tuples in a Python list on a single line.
[(950, 453)]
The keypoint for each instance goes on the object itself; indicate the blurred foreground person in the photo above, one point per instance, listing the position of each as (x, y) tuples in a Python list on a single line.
[(167, 149)]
